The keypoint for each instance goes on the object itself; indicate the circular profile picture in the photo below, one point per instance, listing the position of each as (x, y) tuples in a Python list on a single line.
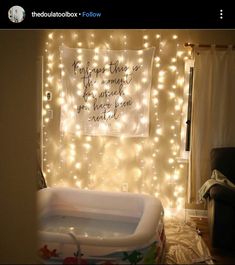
[(16, 14)]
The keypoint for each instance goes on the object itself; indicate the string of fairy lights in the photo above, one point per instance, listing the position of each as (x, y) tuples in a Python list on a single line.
[(142, 165)]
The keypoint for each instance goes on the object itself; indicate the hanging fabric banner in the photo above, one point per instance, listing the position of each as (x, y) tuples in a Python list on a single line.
[(106, 92)]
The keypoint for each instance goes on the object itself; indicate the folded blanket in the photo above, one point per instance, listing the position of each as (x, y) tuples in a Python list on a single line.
[(217, 178)]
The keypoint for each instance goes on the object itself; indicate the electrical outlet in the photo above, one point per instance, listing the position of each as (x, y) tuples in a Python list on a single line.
[(125, 187), (49, 95)]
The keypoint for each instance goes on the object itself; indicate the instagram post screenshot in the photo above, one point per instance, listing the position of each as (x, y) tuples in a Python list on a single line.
[(117, 128)]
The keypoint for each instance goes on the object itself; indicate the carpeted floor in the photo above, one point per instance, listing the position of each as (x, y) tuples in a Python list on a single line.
[(183, 244)]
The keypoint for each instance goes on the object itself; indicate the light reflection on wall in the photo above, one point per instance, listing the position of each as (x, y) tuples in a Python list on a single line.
[(142, 165)]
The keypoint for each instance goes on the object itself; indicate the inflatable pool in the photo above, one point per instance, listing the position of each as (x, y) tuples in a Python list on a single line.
[(95, 227)]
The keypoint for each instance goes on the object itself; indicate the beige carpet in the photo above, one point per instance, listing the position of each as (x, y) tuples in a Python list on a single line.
[(183, 244)]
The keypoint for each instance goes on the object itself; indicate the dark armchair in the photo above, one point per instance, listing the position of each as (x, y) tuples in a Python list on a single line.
[(221, 201)]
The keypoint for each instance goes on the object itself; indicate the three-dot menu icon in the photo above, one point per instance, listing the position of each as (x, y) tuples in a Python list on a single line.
[(221, 14)]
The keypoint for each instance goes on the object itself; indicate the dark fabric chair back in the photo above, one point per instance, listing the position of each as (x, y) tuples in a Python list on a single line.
[(223, 159)]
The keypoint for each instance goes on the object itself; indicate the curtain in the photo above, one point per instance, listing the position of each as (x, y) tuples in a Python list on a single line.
[(213, 112)]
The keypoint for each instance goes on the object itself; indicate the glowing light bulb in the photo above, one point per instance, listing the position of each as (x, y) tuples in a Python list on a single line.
[(156, 139), (179, 53), (50, 57), (155, 101), (144, 120), (106, 59), (157, 59), (121, 58), (78, 165), (172, 68), (144, 80), (78, 183), (72, 146), (145, 101), (176, 176), (50, 36), (177, 107), (161, 73), (171, 95), (60, 101), (118, 125), (138, 106), (159, 131), (146, 44), (50, 65), (75, 35), (180, 81), (180, 188), (87, 146), (50, 79), (180, 101), (78, 133), (162, 43)]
